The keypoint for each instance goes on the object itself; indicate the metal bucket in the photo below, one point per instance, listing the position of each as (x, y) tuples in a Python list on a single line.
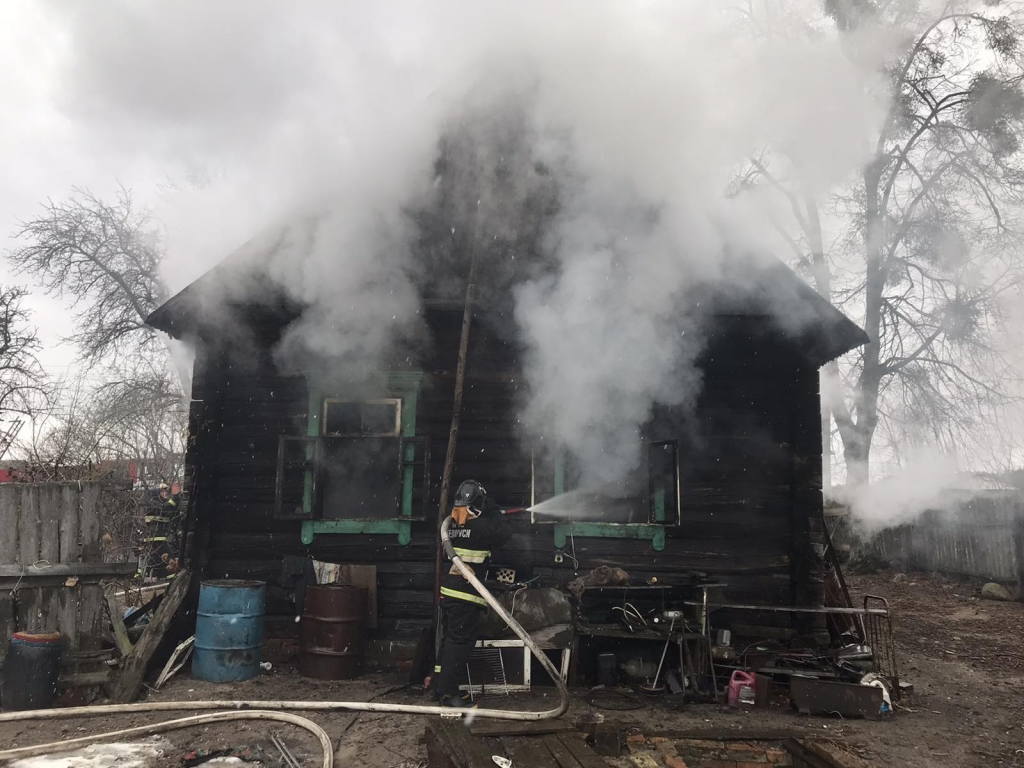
[(331, 634), (229, 630)]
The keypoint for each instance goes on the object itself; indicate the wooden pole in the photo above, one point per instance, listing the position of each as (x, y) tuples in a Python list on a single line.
[(453, 432)]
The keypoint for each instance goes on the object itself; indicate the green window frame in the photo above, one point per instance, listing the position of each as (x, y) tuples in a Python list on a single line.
[(403, 386), (654, 530)]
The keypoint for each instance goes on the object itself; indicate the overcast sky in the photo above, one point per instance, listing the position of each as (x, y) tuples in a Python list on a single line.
[(42, 151)]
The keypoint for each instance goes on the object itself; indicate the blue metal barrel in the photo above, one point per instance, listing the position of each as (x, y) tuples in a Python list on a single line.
[(229, 630)]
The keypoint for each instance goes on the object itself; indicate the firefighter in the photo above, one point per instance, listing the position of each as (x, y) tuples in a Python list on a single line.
[(477, 527), (159, 539)]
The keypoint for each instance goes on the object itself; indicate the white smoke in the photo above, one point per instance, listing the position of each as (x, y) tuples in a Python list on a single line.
[(928, 479), (325, 119)]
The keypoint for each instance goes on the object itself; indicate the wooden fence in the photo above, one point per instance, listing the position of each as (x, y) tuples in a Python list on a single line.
[(981, 536), (51, 563)]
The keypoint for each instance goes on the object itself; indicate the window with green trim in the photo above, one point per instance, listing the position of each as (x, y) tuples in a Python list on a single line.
[(650, 494), (362, 418), (361, 459)]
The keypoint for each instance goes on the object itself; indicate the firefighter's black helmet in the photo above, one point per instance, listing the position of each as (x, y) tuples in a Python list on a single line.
[(471, 494)]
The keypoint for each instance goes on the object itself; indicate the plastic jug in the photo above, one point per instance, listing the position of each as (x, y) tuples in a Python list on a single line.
[(742, 689)]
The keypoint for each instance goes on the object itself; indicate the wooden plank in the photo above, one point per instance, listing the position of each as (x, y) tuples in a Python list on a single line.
[(66, 569), (67, 615), (720, 734), (585, 756), (130, 680), (527, 751), (68, 598), (30, 612), (438, 755), (560, 752), (452, 741), (67, 511), (86, 657), (1018, 547), (49, 517), (518, 728), (89, 524), (84, 679), (124, 645), (6, 620), (45, 581), (28, 547), (90, 617), (30, 599), (9, 498)]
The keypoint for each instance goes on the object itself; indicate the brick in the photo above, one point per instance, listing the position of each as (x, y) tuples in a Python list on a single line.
[(645, 760), (778, 756), (663, 745), (636, 739), (703, 743), (739, 746), (674, 761), (750, 764), (751, 756)]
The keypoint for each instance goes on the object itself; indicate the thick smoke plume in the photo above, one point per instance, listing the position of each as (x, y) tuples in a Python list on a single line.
[(580, 149), (928, 480)]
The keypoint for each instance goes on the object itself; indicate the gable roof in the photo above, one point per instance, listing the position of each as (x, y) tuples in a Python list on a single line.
[(241, 288)]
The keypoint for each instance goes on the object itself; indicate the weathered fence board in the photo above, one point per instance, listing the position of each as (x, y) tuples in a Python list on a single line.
[(8, 528), (51, 562), (973, 537), (28, 542), (49, 553)]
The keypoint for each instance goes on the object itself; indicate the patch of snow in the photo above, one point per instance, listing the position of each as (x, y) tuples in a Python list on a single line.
[(136, 754)]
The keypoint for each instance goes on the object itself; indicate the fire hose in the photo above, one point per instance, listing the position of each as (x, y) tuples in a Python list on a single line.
[(262, 709)]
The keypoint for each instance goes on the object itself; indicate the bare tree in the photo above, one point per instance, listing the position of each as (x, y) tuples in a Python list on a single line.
[(135, 415), (931, 246), (59, 442), (22, 380), (141, 416), (106, 257)]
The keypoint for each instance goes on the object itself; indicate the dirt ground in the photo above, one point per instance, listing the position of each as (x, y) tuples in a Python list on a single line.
[(963, 655)]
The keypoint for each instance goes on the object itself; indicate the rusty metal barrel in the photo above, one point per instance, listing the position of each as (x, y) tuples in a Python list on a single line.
[(332, 632)]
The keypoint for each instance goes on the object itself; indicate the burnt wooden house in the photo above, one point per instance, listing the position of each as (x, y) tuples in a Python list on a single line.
[(281, 462)]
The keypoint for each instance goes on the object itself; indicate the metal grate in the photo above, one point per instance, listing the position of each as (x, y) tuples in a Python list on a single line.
[(498, 666), (879, 636)]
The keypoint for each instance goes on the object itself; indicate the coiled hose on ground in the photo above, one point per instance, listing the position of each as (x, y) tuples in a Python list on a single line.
[(238, 710)]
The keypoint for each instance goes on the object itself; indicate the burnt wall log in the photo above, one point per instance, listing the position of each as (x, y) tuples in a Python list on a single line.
[(750, 473)]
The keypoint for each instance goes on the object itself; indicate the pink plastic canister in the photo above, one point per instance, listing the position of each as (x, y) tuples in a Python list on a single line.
[(742, 689)]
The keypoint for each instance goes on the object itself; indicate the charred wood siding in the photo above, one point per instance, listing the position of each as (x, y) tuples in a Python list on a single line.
[(750, 453)]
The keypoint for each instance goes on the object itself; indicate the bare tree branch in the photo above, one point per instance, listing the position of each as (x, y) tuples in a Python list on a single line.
[(106, 257), (22, 381)]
